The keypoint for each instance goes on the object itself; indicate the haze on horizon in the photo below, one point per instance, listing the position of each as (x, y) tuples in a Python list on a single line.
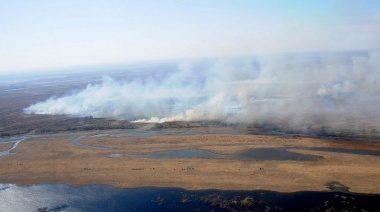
[(44, 35)]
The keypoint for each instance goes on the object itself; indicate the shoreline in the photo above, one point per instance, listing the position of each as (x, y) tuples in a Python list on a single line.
[(191, 190), (174, 199)]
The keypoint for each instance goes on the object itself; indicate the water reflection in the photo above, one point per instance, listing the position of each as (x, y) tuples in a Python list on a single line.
[(56, 197)]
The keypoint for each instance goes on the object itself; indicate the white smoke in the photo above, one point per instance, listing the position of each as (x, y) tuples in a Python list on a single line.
[(299, 90)]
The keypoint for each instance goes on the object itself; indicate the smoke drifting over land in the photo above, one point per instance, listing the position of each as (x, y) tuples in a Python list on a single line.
[(301, 91)]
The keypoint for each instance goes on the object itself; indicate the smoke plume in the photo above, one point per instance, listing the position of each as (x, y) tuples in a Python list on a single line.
[(333, 91)]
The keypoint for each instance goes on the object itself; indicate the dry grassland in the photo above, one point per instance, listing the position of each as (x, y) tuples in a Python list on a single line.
[(54, 159)]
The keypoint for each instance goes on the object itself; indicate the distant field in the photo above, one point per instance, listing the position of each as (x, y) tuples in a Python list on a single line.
[(19, 92)]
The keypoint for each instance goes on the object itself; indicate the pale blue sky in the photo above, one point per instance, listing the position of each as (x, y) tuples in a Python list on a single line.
[(48, 34)]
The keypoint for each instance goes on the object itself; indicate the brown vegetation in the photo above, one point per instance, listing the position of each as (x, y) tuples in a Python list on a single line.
[(4, 147), (54, 159)]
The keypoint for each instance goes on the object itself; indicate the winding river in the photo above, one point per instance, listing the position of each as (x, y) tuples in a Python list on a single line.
[(14, 146)]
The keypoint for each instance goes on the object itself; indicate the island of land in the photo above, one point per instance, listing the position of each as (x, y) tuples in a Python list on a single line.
[(120, 161)]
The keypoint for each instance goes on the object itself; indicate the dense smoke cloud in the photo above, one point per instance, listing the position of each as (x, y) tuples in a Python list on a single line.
[(301, 91)]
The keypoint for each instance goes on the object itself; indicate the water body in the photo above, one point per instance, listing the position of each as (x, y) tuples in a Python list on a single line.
[(14, 146), (252, 154), (340, 150), (57, 197)]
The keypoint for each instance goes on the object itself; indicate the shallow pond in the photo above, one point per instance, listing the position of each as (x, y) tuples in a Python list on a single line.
[(340, 150), (252, 154)]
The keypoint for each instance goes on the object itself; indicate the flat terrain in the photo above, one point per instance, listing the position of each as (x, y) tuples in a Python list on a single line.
[(5, 146), (54, 159), (19, 92), (50, 157)]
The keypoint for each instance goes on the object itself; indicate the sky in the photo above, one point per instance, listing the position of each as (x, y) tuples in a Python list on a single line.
[(45, 34)]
